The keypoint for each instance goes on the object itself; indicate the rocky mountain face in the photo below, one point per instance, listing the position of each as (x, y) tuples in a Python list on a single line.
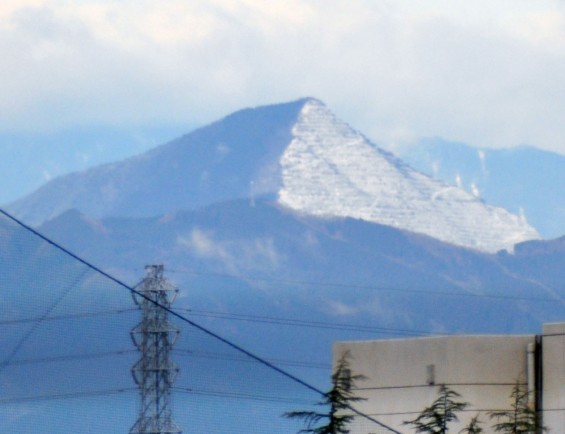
[(297, 152)]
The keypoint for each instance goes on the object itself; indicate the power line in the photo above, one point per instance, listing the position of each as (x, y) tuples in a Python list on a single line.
[(219, 356), (235, 395), (35, 325), (68, 316), (236, 317), (306, 323), (61, 396), (188, 321), (427, 386), (467, 410), (69, 357), (210, 393), (371, 287), (197, 354)]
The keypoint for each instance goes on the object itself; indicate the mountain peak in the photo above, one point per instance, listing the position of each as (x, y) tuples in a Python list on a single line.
[(298, 152), (331, 170)]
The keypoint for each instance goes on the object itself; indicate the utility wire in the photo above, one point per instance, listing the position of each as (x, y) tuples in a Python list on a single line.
[(188, 321), (201, 392), (235, 358), (371, 287), (35, 325), (185, 352), (251, 318), (236, 317), (69, 357), (305, 323), (427, 386), (68, 316), (61, 396), (465, 410), (224, 394)]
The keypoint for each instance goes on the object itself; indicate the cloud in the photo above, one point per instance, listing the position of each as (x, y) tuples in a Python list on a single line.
[(339, 308), (375, 307), (487, 73), (202, 244), (13, 413), (236, 256)]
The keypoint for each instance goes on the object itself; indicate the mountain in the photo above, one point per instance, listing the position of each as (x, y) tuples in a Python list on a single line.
[(523, 180), (540, 261), (33, 158), (264, 256), (297, 152), (226, 160), (372, 272), (281, 284)]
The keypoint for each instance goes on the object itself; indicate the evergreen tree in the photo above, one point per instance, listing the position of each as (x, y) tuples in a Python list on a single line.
[(337, 401), (474, 426), (522, 418), (436, 418)]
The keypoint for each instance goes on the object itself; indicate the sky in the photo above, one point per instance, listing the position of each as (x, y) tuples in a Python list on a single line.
[(486, 73)]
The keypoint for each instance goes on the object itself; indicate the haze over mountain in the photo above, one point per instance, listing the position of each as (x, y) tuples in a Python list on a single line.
[(270, 219), (267, 248), (523, 180), (281, 284), (299, 152), (30, 160)]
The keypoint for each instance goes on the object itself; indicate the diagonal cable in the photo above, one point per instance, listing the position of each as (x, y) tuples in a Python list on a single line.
[(7, 361), (186, 320)]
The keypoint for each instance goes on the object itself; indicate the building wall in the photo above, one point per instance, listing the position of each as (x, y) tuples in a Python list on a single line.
[(553, 396), (403, 375)]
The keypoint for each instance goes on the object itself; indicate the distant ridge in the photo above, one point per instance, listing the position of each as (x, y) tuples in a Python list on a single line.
[(298, 153)]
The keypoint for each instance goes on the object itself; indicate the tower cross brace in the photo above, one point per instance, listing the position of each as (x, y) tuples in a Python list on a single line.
[(154, 373)]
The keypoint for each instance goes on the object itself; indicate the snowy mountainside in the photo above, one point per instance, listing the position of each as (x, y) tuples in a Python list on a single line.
[(299, 152), (331, 170), (511, 178)]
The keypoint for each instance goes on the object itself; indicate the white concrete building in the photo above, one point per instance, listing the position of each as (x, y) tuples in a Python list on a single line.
[(403, 376)]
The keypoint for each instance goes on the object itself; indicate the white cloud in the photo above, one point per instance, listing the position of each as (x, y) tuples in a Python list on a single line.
[(47, 176), (372, 306), (339, 308), (14, 412), (488, 73), (235, 255), (202, 245)]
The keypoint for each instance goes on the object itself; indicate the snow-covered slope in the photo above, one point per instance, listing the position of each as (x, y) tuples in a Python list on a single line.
[(511, 178), (298, 152), (329, 169)]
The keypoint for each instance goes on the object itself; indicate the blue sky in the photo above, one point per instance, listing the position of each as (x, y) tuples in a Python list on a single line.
[(482, 72)]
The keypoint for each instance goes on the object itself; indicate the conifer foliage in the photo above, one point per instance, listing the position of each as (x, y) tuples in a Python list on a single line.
[(436, 418), (521, 418), (473, 427), (338, 401)]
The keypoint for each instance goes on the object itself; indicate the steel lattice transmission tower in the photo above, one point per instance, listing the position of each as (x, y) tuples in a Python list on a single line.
[(154, 337)]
